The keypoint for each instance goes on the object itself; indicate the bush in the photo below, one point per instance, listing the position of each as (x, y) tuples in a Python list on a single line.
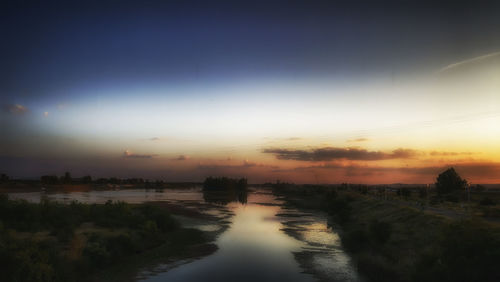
[(380, 231), (467, 251), (422, 193), (406, 193), (378, 266), (355, 240), (144, 226), (96, 253), (340, 209), (452, 197), (120, 245), (487, 202)]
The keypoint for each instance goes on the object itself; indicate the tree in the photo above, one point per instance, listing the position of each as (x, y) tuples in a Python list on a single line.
[(49, 179), (4, 177), (449, 181), (87, 179), (67, 177)]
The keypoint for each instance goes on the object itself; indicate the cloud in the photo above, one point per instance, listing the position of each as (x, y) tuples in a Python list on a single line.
[(471, 61), (359, 140), (477, 172), (332, 153), (438, 153), (294, 139), (182, 158), (248, 163), (15, 109), (129, 154), (245, 164), (154, 139), (45, 114)]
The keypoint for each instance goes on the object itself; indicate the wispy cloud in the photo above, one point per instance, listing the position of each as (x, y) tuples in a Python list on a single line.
[(447, 154), (248, 163), (245, 164), (332, 153), (469, 62), (358, 140), (62, 106), (182, 158), (482, 172), (154, 139), (129, 154), (15, 109)]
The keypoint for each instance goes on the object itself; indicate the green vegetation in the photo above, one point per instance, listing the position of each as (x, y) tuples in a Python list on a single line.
[(78, 242), (392, 241)]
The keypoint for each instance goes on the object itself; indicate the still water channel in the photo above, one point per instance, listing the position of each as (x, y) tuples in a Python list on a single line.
[(260, 239)]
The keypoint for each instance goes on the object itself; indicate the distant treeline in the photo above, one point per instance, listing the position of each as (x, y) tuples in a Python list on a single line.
[(224, 183), (390, 238), (67, 179)]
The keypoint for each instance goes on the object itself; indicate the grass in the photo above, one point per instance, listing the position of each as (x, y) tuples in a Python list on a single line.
[(391, 241), (87, 242)]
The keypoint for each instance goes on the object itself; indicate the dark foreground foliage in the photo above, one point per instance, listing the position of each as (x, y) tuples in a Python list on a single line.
[(462, 250), (389, 242), (70, 242)]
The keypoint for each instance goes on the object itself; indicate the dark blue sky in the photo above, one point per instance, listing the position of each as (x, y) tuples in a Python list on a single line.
[(56, 49)]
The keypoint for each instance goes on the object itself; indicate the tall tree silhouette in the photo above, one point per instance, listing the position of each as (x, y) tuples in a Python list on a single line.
[(449, 181)]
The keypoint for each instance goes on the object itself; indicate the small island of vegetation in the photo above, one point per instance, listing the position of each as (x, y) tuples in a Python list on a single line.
[(223, 190)]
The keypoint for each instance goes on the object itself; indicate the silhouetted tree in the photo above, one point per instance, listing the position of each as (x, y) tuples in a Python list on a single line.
[(87, 179), (449, 181), (49, 179), (406, 193), (4, 177), (223, 190), (67, 177), (422, 192)]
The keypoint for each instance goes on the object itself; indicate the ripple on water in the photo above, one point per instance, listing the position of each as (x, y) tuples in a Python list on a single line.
[(321, 254)]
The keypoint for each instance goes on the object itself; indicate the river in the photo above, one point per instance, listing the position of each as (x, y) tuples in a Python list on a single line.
[(263, 240)]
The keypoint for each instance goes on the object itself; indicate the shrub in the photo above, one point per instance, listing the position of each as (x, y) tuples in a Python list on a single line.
[(355, 240), (422, 193), (379, 268), (340, 209), (467, 251), (487, 202), (380, 231), (406, 193), (96, 253)]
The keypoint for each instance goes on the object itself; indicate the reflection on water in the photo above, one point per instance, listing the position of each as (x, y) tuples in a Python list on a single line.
[(264, 242), (101, 196), (252, 249)]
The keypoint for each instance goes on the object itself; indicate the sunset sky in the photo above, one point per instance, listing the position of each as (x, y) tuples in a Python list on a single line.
[(301, 91)]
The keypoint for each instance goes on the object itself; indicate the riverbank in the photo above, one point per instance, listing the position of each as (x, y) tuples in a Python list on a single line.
[(52, 241), (393, 242)]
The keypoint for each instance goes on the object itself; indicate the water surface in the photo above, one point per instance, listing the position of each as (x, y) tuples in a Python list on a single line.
[(264, 240)]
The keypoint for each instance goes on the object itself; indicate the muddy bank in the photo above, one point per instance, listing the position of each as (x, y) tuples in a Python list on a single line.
[(322, 256)]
